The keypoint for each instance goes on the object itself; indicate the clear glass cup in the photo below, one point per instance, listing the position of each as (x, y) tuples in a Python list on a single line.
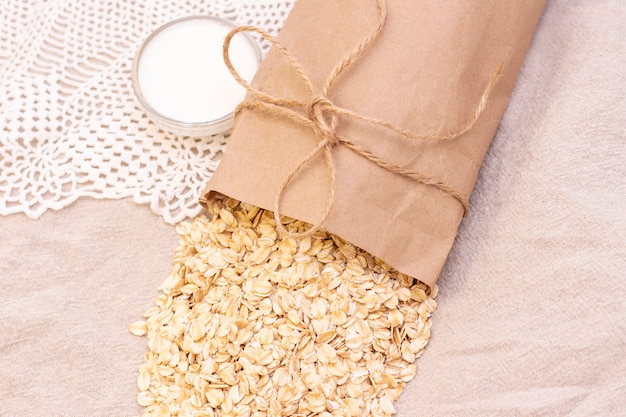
[(180, 80)]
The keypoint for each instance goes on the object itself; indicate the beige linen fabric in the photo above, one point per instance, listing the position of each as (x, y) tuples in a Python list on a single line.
[(72, 282), (532, 302)]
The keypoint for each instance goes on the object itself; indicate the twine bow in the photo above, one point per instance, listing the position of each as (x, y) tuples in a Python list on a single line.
[(321, 115)]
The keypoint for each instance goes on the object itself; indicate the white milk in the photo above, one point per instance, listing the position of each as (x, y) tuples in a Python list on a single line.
[(182, 75)]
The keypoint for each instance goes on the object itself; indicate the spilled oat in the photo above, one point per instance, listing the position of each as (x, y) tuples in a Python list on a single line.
[(252, 324)]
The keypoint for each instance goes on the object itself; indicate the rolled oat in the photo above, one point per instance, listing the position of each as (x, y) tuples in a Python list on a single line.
[(252, 324)]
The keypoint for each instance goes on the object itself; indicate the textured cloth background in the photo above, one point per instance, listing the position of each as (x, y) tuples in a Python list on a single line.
[(532, 303)]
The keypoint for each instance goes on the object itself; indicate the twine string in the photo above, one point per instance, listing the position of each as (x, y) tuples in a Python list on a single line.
[(321, 115)]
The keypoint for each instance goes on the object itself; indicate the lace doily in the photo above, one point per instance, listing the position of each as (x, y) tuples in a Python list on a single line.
[(69, 123)]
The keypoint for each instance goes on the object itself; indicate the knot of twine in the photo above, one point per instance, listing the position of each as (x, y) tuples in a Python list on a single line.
[(320, 111), (321, 115)]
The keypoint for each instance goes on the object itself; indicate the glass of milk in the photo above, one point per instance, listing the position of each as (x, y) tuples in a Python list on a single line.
[(180, 78)]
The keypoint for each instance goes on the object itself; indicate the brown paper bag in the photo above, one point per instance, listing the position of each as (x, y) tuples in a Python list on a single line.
[(426, 73)]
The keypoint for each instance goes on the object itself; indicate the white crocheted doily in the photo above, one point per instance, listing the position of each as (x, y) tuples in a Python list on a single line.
[(69, 124)]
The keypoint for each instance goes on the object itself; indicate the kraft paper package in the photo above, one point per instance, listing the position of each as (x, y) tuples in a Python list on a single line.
[(392, 145)]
